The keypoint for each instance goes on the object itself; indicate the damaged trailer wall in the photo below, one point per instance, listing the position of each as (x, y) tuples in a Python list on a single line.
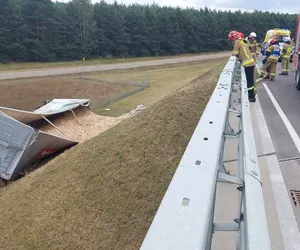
[(56, 106), (22, 145)]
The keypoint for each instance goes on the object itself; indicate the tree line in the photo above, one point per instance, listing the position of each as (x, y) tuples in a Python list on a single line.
[(42, 30)]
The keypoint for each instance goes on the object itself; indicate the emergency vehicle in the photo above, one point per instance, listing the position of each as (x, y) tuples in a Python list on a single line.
[(277, 34), (296, 59)]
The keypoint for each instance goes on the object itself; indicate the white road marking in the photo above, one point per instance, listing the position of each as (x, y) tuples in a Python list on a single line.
[(285, 120), (288, 224)]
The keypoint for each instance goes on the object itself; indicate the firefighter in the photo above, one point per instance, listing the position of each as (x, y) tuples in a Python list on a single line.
[(267, 74), (242, 35), (253, 45), (273, 53), (285, 56), (242, 52)]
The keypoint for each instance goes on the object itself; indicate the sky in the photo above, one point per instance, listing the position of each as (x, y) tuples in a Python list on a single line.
[(290, 6)]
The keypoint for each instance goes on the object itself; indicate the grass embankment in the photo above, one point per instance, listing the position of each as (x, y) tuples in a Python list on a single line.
[(79, 63), (30, 93), (103, 193), (163, 81)]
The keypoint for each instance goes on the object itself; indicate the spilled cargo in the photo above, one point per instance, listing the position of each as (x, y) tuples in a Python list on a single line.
[(21, 145)]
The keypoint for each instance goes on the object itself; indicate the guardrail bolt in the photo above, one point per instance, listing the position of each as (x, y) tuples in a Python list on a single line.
[(237, 221)]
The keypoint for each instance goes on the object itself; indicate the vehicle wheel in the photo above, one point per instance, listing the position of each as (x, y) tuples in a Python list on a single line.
[(297, 78)]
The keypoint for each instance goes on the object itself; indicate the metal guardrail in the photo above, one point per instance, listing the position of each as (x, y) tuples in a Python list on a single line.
[(185, 218)]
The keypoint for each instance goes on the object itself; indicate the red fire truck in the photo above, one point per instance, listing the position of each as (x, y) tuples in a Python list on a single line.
[(296, 58)]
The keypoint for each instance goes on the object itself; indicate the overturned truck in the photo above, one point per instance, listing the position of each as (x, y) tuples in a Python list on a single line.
[(21, 145)]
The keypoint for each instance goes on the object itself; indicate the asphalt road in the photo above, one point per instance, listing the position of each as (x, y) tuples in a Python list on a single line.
[(91, 68), (276, 128), (280, 103)]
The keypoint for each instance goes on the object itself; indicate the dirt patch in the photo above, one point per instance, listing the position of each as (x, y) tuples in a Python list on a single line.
[(29, 94), (83, 126)]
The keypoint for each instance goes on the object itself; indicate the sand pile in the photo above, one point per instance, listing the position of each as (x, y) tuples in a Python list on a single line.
[(83, 126)]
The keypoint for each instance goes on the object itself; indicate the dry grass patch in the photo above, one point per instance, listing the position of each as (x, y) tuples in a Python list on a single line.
[(103, 193), (30, 93)]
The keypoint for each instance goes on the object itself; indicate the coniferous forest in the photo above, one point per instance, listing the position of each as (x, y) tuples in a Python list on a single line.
[(42, 30)]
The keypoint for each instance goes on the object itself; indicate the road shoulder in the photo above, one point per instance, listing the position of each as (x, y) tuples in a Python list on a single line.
[(283, 226), (227, 196)]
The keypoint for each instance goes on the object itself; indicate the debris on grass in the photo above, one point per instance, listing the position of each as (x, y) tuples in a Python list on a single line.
[(137, 109), (84, 124), (80, 126)]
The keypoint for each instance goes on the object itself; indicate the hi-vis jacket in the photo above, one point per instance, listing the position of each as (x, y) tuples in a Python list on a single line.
[(286, 51), (253, 46), (274, 52), (241, 50)]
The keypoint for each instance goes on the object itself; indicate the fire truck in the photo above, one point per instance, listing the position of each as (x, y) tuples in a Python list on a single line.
[(296, 58)]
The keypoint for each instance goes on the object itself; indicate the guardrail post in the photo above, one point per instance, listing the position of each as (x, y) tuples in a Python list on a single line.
[(185, 218)]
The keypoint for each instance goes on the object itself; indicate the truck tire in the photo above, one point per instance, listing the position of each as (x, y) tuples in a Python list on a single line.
[(297, 78)]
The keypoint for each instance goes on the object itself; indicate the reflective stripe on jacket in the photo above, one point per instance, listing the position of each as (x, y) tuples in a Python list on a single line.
[(275, 52), (241, 50)]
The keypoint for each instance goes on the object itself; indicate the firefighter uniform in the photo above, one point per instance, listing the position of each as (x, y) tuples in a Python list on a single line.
[(251, 41), (267, 73), (253, 48), (273, 53), (241, 50), (285, 58)]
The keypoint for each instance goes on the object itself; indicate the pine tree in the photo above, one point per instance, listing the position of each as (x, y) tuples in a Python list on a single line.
[(43, 30)]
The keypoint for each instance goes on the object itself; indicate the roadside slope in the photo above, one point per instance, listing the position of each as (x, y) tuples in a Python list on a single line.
[(103, 193)]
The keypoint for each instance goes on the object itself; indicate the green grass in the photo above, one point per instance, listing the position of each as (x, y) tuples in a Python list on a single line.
[(163, 81), (104, 193), (35, 65)]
